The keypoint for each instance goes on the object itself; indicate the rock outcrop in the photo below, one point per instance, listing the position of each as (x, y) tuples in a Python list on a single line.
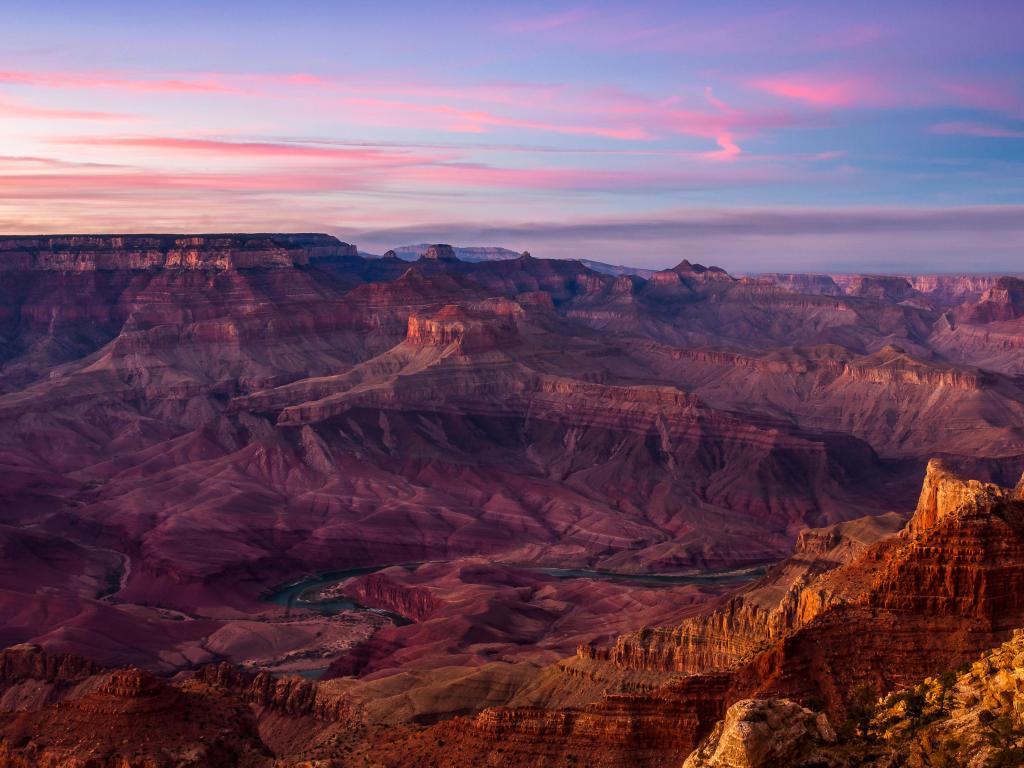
[(30, 662), (379, 591), (487, 325), (292, 696), (966, 717), (957, 562), (765, 733), (441, 252), (805, 283), (887, 287), (701, 273), (1003, 301), (951, 290), (127, 718), (792, 594)]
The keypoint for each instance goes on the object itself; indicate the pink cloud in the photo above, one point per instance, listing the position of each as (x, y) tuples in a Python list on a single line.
[(449, 117), (23, 162), (461, 108), (706, 29), (63, 183), (822, 91), (703, 114), (255, 149), (713, 100), (903, 89), (110, 81), (625, 133), (13, 109), (71, 185), (728, 149)]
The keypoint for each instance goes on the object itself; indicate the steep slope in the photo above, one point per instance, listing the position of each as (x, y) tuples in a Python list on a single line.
[(969, 717), (62, 711), (908, 606), (903, 406)]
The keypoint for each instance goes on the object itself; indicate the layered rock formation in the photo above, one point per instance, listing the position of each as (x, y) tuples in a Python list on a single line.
[(887, 287), (957, 561), (1004, 300), (122, 718), (804, 283), (189, 422), (968, 717), (471, 254), (951, 290), (473, 612), (788, 597), (108, 253), (910, 605), (439, 253)]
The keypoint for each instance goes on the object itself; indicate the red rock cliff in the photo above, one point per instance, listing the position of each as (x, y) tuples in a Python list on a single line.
[(87, 253)]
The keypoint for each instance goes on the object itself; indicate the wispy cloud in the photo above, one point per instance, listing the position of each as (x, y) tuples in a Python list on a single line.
[(545, 23), (108, 80), (21, 110), (256, 149), (823, 90), (839, 88), (976, 129), (373, 174), (763, 221), (993, 96)]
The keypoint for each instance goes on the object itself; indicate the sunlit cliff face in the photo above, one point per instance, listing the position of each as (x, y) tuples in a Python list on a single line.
[(812, 136)]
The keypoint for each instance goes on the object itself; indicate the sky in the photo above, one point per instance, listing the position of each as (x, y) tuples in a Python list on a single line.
[(813, 136)]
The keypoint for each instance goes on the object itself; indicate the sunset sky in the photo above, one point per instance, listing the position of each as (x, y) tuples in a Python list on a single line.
[(760, 136)]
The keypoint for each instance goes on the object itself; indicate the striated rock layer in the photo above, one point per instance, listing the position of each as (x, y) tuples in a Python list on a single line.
[(187, 423), (965, 717), (106, 253), (858, 603), (122, 718), (910, 605)]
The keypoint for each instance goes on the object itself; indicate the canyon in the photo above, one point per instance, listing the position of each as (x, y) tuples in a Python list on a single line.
[(496, 455)]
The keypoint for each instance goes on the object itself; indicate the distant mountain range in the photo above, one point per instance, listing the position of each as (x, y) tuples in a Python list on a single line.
[(478, 253)]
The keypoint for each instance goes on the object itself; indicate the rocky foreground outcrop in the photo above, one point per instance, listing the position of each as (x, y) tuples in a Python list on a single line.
[(972, 717), (765, 733)]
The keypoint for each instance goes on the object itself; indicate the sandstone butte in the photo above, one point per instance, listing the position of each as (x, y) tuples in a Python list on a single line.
[(188, 422)]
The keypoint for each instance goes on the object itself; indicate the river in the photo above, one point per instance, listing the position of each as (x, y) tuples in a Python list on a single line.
[(302, 593)]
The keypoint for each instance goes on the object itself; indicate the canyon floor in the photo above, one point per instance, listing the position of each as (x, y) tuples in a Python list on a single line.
[(379, 511)]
